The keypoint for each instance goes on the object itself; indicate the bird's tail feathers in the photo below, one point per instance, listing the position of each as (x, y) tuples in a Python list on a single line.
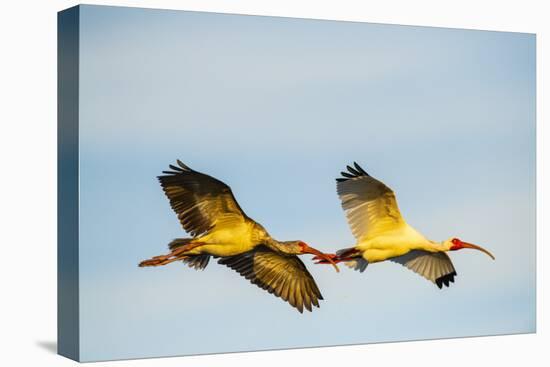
[(179, 242), (352, 258), (357, 263), (347, 253), (197, 262)]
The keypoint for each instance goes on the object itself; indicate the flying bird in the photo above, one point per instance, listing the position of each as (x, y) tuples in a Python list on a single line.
[(382, 233), (208, 211)]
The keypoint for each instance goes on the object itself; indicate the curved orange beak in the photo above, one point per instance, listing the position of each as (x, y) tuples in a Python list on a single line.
[(320, 255), (476, 247)]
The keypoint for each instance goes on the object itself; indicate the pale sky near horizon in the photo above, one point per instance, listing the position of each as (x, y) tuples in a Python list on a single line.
[(276, 108)]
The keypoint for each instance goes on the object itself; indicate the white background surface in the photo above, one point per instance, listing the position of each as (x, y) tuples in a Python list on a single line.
[(28, 191)]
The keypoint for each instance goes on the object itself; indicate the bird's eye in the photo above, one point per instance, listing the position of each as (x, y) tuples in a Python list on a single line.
[(455, 241)]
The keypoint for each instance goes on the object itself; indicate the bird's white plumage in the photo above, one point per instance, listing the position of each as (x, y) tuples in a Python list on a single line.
[(370, 206), (381, 232)]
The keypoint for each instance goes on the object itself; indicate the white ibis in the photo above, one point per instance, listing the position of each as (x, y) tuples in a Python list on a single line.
[(382, 233), (207, 209)]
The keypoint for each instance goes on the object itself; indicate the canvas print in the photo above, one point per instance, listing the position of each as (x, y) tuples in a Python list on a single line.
[(269, 183)]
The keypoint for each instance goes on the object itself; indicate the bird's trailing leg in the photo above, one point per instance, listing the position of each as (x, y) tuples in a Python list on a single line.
[(178, 253), (342, 255), (335, 258), (320, 260), (160, 260)]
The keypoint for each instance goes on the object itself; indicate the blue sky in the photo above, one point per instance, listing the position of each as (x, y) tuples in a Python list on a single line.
[(276, 107)]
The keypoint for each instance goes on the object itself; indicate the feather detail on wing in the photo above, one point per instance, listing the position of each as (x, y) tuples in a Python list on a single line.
[(283, 275), (200, 201), (370, 205), (434, 266)]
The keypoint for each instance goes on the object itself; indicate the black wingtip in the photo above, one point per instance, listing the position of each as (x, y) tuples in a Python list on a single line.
[(176, 170), (445, 280), (360, 169), (353, 172), (183, 165)]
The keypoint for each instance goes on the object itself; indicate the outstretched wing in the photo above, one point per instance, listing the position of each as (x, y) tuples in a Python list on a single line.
[(434, 266), (283, 275), (369, 204), (200, 201)]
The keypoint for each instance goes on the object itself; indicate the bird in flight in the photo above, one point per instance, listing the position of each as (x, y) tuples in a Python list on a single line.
[(382, 233), (208, 211)]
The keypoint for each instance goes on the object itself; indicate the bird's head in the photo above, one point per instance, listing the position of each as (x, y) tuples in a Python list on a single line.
[(301, 248), (453, 244)]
